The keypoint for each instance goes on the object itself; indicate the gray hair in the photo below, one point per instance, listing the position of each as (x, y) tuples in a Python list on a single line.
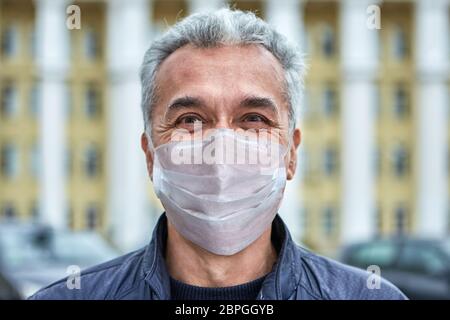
[(213, 29)]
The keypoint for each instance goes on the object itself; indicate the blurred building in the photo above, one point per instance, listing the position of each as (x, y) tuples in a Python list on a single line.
[(374, 156)]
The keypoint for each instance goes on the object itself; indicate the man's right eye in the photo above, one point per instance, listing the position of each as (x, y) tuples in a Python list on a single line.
[(189, 120)]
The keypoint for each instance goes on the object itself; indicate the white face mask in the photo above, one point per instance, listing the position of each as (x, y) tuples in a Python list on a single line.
[(220, 206)]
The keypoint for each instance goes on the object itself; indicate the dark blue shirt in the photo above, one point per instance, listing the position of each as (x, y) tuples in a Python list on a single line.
[(246, 291)]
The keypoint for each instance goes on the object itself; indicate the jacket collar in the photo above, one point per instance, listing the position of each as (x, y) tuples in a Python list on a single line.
[(280, 283)]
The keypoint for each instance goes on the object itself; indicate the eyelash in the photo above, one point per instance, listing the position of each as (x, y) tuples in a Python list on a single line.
[(263, 118), (193, 115)]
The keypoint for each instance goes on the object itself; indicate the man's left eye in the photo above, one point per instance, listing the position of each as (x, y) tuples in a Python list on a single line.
[(255, 118)]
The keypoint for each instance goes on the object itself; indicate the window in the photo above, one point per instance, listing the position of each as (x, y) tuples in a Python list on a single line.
[(378, 220), (70, 217), (8, 161), (92, 102), (401, 161), (9, 211), (328, 42), (377, 109), (91, 45), (8, 101), (34, 101), (400, 220), (33, 46), (69, 162), (310, 109), (69, 103), (92, 216), (401, 103), (9, 41), (34, 211), (400, 43), (330, 161), (382, 254), (328, 216), (377, 161), (422, 260), (35, 160), (92, 161), (330, 107)]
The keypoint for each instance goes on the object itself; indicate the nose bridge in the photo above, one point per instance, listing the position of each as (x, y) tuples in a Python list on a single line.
[(223, 121), (223, 113), (224, 97)]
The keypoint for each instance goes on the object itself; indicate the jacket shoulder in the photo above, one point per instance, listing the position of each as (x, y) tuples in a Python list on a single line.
[(325, 278), (109, 280)]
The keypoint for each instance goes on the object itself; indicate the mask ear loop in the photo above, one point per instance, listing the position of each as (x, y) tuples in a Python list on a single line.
[(289, 145), (151, 148), (150, 144)]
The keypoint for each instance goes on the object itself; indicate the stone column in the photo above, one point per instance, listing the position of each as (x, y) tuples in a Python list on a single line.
[(432, 54), (128, 38), (52, 64), (359, 63), (287, 17)]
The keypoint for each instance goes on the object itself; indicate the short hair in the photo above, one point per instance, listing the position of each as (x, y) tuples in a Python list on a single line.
[(220, 28)]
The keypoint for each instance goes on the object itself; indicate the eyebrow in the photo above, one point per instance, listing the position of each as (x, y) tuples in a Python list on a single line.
[(185, 102), (248, 102), (259, 102)]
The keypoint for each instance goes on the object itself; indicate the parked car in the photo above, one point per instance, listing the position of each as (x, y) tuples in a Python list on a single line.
[(33, 256), (418, 267), (7, 291)]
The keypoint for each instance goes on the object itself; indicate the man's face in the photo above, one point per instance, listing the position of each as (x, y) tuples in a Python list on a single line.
[(235, 87)]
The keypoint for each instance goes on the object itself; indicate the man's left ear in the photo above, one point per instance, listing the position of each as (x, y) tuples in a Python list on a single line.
[(148, 154), (292, 165)]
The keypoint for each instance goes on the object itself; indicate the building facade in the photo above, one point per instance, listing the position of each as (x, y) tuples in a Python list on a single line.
[(374, 117)]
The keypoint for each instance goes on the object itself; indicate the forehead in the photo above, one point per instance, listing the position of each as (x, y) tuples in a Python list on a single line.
[(250, 69)]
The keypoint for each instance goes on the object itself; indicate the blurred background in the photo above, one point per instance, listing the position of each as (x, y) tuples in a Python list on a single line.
[(373, 173)]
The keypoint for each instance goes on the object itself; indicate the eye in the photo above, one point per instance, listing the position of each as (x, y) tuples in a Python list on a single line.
[(255, 118), (189, 120), (256, 121)]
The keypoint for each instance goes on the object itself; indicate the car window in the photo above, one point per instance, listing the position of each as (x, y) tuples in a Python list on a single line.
[(381, 254), (17, 251), (422, 260), (446, 247), (81, 249)]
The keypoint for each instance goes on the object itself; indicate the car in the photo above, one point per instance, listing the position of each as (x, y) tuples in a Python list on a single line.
[(33, 256), (7, 291), (419, 267)]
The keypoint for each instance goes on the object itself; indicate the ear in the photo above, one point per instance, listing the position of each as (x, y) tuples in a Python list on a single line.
[(148, 154), (292, 165)]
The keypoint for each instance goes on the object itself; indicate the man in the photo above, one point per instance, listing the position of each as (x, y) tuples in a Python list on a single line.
[(221, 238)]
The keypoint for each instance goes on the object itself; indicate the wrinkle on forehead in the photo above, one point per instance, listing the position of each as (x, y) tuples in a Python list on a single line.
[(231, 66)]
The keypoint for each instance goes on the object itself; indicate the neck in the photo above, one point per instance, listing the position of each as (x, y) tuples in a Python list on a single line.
[(193, 265)]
